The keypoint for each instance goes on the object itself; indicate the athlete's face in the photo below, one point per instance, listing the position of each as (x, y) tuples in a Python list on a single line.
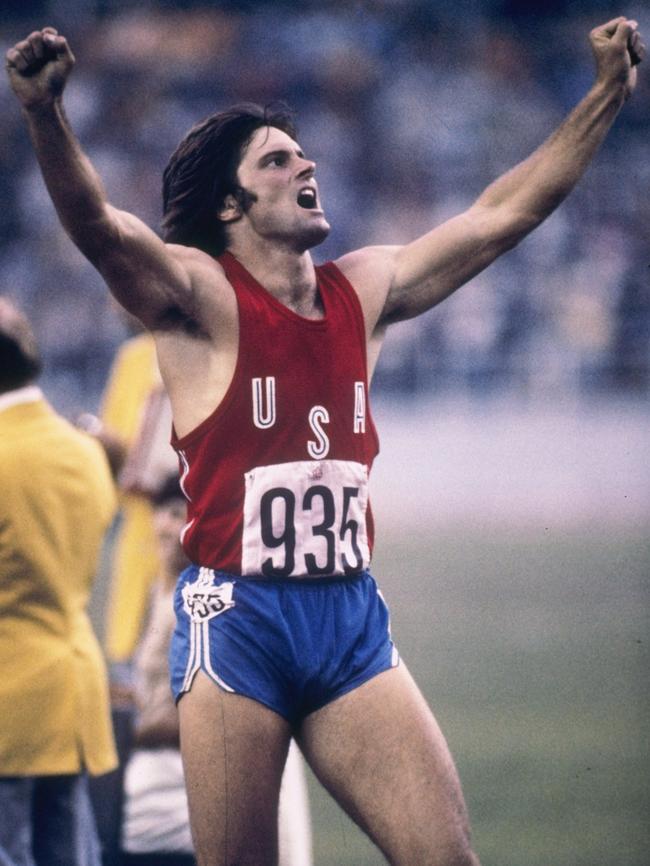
[(286, 204)]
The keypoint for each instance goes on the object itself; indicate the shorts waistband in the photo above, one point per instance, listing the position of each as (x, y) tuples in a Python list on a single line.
[(304, 580)]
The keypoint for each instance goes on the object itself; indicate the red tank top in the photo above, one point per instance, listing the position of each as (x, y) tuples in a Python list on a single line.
[(277, 477)]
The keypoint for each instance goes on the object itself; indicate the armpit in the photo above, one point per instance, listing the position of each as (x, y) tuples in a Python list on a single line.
[(174, 318)]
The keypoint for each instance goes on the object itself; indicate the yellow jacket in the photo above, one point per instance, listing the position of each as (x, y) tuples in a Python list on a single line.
[(56, 501)]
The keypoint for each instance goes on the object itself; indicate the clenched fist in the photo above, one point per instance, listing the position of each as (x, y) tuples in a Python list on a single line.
[(39, 66), (618, 48)]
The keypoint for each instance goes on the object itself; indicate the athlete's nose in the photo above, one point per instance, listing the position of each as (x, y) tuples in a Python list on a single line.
[(308, 169)]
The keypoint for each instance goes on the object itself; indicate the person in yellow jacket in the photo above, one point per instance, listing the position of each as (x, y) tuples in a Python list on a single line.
[(57, 499)]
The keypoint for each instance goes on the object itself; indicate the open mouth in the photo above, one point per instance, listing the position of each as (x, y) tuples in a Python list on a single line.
[(307, 198)]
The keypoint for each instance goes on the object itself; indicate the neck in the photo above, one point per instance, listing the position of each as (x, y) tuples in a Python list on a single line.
[(287, 274)]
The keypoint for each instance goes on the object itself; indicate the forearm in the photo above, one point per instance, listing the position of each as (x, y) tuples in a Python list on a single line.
[(73, 184), (535, 187), (429, 269), (434, 266)]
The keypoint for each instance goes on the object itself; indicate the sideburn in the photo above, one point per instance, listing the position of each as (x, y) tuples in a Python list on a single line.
[(245, 199)]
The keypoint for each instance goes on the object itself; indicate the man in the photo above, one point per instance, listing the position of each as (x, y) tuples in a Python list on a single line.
[(266, 360), (57, 502)]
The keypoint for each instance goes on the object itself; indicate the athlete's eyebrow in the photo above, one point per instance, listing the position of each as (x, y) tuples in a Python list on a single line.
[(281, 151)]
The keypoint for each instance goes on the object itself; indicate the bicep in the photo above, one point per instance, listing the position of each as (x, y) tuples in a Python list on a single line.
[(138, 267), (429, 269)]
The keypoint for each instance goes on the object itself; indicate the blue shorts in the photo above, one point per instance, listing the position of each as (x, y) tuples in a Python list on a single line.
[(293, 645)]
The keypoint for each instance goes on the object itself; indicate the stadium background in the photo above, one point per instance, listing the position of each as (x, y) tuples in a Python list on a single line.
[(512, 494)]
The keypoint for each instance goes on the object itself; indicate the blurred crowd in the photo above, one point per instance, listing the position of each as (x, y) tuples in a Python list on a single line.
[(410, 109)]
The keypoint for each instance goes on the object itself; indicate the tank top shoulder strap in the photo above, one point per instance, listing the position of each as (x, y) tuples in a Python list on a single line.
[(235, 272), (342, 295)]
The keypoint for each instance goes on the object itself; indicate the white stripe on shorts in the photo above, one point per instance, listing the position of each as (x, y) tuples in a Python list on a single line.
[(200, 651), (207, 661), (194, 660)]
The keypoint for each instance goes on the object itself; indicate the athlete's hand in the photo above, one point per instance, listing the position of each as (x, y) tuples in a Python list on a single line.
[(39, 66), (618, 49)]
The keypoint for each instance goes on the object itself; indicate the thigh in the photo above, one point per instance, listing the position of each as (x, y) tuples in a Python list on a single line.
[(16, 821), (65, 832), (381, 754), (234, 750)]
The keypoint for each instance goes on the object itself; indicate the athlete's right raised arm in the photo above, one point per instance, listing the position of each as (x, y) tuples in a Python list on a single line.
[(138, 267)]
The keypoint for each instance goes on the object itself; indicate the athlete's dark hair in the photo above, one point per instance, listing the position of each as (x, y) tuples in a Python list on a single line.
[(202, 171)]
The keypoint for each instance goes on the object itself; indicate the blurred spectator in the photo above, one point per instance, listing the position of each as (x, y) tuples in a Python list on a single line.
[(156, 822), (136, 415), (155, 827), (57, 502)]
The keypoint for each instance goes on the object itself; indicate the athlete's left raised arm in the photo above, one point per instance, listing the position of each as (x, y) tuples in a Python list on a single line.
[(420, 274)]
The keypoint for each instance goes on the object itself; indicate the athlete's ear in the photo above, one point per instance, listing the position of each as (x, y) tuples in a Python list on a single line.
[(230, 210)]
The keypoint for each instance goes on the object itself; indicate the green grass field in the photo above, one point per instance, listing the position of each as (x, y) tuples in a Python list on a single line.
[(533, 653)]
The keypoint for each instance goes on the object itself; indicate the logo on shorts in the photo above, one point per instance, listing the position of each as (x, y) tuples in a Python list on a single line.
[(202, 600)]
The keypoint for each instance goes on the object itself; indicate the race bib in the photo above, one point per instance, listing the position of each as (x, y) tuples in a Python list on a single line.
[(202, 600), (306, 518)]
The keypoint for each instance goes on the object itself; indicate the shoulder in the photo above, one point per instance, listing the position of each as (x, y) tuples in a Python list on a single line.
[(370, 271), (196, 262), (367, 262), (211, 291)]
